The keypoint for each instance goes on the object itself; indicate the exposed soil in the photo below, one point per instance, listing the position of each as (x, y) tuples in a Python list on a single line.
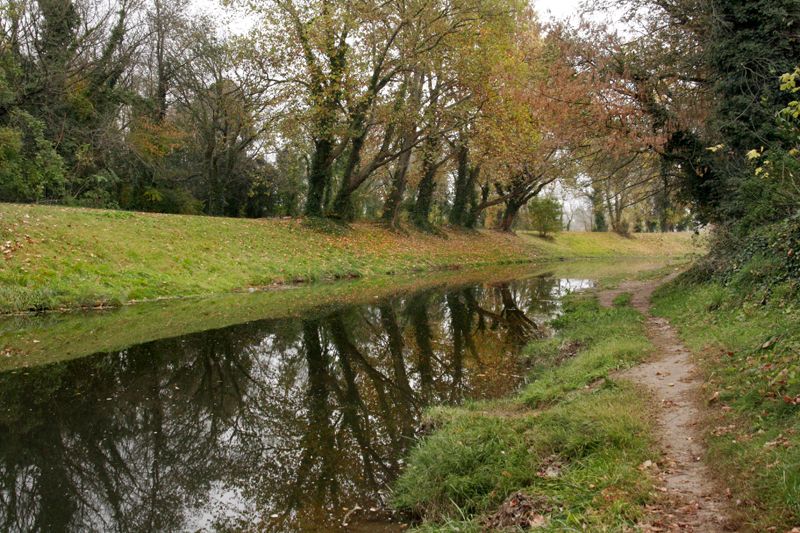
[(692, 501)]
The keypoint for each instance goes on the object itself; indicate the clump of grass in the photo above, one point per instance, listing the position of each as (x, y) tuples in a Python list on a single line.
[(579, 449), (475, 460), (747, 347), (612, 339), (622, 300)]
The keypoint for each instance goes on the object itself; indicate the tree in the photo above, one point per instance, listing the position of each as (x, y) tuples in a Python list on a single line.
[(753, 44), (30, 168), (223, 110), (545, 215)]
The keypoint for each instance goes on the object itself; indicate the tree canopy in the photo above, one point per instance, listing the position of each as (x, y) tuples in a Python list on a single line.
[(449, 112)]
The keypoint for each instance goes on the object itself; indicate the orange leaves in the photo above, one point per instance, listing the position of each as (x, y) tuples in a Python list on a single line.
[(155, 140)]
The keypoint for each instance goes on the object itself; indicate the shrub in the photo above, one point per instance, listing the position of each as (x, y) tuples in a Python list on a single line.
[(545, 215), (30, 168)]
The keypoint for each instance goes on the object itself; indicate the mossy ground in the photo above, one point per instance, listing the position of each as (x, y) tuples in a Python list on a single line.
[(57, 257), (574, 414)]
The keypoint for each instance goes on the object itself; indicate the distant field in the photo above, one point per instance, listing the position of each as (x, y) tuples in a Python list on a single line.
[(58, 257)]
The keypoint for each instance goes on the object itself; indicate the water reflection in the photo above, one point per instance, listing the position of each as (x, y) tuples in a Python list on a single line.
[(272, 425)]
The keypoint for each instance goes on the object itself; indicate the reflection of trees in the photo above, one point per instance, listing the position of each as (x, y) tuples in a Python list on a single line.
[(521, 328), (417, 311), (294, 417), (109, 442)]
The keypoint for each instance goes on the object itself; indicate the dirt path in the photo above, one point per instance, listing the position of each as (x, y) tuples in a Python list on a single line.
[(693, 502)]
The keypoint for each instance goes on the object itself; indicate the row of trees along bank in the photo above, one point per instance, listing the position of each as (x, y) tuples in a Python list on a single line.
[(446, 111)]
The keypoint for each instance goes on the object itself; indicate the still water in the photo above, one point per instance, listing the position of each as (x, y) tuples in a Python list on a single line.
[(271, 425)]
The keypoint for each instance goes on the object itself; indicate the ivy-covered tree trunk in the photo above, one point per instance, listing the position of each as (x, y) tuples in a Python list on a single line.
[(465, 202), (319, 176), (430, 152), (427, 185), (393, 201), (342, 204), (56, 48), (326, 95), (662, 205), (475, 215), (458, 212), (753, 42)]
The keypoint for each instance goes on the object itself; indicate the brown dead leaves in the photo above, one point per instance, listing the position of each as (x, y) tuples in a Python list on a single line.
[(520, 510)]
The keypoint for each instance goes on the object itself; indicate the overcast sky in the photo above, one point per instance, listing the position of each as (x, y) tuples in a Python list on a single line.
[(547, 9), (556, 8)]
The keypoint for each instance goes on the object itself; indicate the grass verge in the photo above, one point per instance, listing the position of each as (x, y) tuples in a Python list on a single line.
[(746, 338), (56, 257), (571, 441), (610, 245)]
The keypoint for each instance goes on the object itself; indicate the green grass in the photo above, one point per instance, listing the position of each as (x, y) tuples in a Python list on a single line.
[(29, 340), (573, 415), (611, 340), (746, 338), (59, 257), (622, 300), (572, 245)]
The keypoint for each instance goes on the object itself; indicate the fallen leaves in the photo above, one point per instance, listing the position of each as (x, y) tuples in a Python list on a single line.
[(721, 431), (769, 343), (780, 441), (8, 248), (520, 510), (791, 401), (650, 466), (550, 468)]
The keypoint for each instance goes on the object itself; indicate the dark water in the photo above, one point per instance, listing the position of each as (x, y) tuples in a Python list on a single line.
[(273, 425)]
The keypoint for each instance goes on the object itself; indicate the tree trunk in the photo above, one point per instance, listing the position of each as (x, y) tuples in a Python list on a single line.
[(391, 206), (474, 219), (319, 176), (460, 198), (471, 216), (509, 215), (422, 207), (662, 206), (430, 152), (342, 204), (458, 213)]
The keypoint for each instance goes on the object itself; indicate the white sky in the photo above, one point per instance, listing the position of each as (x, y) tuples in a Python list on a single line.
[(558, 9), (547, 9)]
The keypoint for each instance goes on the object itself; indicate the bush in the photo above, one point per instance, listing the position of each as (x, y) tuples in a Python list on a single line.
[(545, 215), (764, 257), (30, 168)]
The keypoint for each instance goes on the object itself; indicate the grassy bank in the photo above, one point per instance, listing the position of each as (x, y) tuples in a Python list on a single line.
[(65, 257), (745, 334), (564, 454), (30, 340), (571, 245)]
